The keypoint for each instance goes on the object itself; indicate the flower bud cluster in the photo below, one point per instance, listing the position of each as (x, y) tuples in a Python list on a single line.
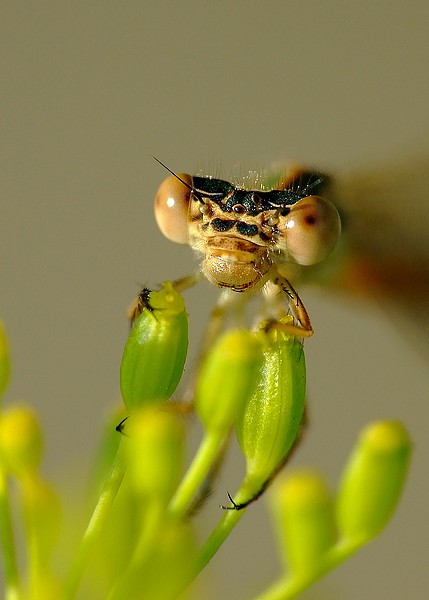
[(317, 530)]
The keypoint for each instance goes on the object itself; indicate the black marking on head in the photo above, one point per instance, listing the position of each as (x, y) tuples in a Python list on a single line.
[(222, 224), (246, 229), (213, 188), (251, 202)]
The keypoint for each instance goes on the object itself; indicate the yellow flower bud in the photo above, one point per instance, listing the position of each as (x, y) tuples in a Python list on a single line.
[(155, 452), (21, 440), (373, 480), (304, 517), (227, 378)]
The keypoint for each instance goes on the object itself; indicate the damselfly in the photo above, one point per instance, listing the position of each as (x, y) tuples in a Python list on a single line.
[(382, 254), (281, 231)]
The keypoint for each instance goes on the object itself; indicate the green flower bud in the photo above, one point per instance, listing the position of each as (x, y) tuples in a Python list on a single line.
[(4, 359), (155, 452), (21, 440), (169, 568), (42, 515), (155, 353), (304, 516), (373, 480), (227, 378), (267, 428)]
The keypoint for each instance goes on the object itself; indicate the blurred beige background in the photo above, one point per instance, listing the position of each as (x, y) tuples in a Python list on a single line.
[(90, 90)]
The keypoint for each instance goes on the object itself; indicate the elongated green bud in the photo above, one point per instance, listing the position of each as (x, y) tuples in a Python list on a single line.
[(155, 353), (4, 359), (304, 517), (227, 378), (268, 427), (373, 480)]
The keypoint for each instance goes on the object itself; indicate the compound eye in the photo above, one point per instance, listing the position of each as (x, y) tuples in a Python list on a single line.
[(171, 208), (312, 229)]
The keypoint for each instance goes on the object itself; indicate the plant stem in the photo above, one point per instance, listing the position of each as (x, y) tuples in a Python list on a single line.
[(216, 538), (193, 479), (144, 547), (98, 519), (222, 530), (7, 542), (290, 586)]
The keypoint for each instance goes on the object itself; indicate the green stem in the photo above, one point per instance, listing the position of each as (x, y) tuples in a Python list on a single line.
[(290, 586), (197, 472), (96, 523), (7, 542), (216, 539), (222, 530), (145, 544)]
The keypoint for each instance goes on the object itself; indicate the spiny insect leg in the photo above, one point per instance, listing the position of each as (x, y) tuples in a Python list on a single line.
[(297, 308)]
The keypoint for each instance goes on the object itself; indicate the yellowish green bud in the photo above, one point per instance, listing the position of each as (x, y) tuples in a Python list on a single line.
[(21, 440), (155, 452), (155, 353), (46, 587), (4, 359), (304, 517), (269, 424), (373, 480), (176, 543), (169, 568), (42, 515), (227, 378)]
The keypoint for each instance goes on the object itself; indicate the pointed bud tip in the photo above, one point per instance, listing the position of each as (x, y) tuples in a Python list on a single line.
[(303, 488), (167, 299), (386, 437)]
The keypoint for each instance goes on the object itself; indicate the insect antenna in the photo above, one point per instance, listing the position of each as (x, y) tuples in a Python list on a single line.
[(190, 187), (312, 184)]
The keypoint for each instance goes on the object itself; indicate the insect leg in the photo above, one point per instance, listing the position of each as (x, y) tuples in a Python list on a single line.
[(184, 283), (142, 301), (304, 327)]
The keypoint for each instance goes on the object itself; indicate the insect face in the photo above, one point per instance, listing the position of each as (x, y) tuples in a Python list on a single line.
[(243, 234)]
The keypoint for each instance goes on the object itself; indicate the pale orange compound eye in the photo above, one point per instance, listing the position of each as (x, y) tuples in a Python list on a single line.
[(311, 229), (171, 208)]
